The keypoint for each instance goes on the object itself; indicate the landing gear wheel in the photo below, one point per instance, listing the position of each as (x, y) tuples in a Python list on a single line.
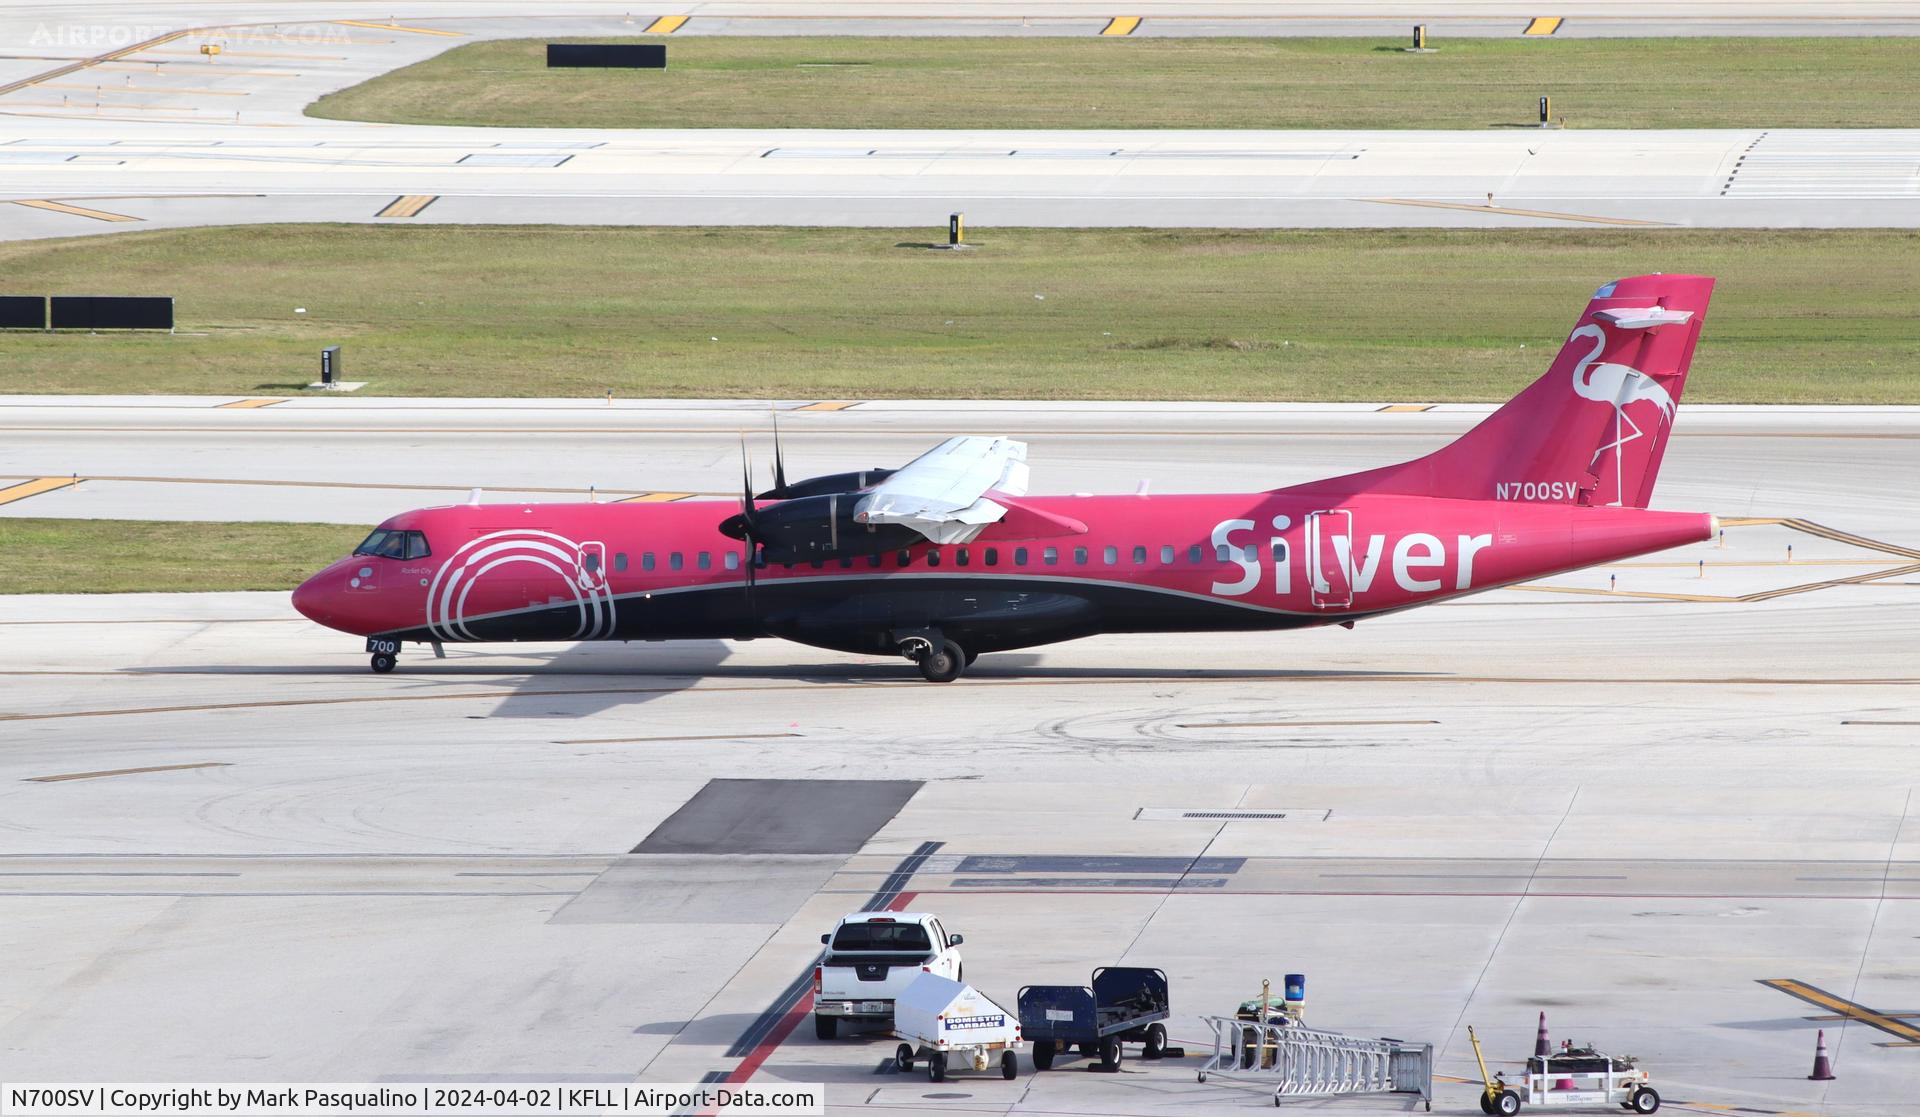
[(826, 1027), (1043, 1054), (1644, 1100), (1507, 1104), (944, 663), (903, 1057), (383, 663), (1110, 1054), (937, 1067), (1156, 1045), (1009, 1066)]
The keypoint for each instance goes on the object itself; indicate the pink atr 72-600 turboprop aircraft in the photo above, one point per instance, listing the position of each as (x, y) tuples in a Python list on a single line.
[(947, 557)]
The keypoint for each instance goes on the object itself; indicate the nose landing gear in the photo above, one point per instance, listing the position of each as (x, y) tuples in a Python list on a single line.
[(386, 653)]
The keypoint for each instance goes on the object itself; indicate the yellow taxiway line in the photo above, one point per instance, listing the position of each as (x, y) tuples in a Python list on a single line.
[(1543, 25), (35, 487), (1848, 1009), (77, 211), (1586, 218), (1121, 25), (666, 25), (397, 27), (123, 772)]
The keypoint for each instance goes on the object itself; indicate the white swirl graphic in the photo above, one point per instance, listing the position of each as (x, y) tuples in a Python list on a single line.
[(447, 615)]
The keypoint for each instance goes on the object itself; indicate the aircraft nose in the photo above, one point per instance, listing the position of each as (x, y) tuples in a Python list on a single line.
[(310, 600)]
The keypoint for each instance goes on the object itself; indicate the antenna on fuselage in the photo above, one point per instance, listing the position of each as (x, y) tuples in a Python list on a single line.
[(473, 496)]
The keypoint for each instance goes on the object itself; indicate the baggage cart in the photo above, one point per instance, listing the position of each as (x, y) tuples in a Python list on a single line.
[(1570, 1077), (1123, 1004), (952, 1026)]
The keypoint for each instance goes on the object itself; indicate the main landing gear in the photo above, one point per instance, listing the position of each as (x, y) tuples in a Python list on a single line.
[(941, 660)]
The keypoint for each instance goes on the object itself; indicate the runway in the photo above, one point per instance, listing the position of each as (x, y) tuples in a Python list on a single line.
[(232, 852), (119, 123)]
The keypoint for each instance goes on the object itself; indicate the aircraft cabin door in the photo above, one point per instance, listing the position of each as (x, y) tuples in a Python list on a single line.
[(1331, 563)]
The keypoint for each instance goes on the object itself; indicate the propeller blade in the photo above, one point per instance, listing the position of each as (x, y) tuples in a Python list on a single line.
[(746, 516), (779, 464)]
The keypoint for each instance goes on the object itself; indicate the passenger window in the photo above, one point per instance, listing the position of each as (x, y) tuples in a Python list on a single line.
[(1051, 555), (1195, 552), (619, 562), (733, 560), (1139, 555), (1250, 552), (816, 564), (993, 556), (591, 561), (846, 562), (1280, 550), (1226, 553), (646, 560), (1019, 556), (674, 561), (904, 558), (961, 557), (706, 560), (1111, 554), (933, 558), (1166, 554), (875, 560)]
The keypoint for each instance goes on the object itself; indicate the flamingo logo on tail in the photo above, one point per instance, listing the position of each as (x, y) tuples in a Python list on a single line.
[(1618, 386)]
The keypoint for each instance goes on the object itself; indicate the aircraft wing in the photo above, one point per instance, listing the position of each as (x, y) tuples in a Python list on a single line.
[(943, 493)]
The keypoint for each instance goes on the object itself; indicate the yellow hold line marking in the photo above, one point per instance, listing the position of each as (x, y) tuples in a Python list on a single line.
[(1121, 25), (397, 27), (655, 498), (1844, 1007), (249, 403), (1543, 25), (77, 211), (35, 487), (124, 772), (1587, 218), (666, 25), (408, 205)]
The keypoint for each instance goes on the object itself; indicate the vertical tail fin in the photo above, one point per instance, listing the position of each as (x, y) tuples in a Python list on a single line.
[(1593, 429)]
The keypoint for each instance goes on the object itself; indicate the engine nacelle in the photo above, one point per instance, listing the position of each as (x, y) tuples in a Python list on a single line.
[(818, 527), (831, 483)]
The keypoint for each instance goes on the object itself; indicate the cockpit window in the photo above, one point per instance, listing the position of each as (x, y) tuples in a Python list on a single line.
[(394, 545)]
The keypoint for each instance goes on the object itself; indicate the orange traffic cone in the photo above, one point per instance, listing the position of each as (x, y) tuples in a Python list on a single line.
[(1542, 1046), (1822, 1066)]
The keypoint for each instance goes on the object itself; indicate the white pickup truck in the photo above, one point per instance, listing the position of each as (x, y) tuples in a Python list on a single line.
[(871, 957)]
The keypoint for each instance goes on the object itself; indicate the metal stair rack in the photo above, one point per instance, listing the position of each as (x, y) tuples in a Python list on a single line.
[(1308, 1063)]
